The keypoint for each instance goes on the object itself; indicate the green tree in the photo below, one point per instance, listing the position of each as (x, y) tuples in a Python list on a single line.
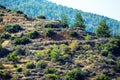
[(75, 74), (79, 22), (55, 53), (64, 19), (103, 29)]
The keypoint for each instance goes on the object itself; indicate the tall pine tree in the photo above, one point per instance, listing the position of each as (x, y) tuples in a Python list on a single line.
[(102, 30), (79, 21)]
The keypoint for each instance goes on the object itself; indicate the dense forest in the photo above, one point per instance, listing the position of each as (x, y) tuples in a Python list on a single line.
[(53, 11)]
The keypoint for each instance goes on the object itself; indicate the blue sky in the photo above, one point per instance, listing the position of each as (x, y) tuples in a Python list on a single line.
[(109, 8)]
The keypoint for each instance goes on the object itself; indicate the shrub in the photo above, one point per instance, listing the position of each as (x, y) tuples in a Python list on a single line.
[(15, 65), (3, 52), (33, 34), (19, 69), (50, 71), (19, 51), (102, 77), (74, 46), (111, 47), (64, 58), (75, 74), (1, 19), (55, 53), (52, 77), (73, 34), (64, 49), (12, 28), (41, 64), (41, 17), (5, 75), (88, 37), (13, 57), (117, 66), (30, 65), (49, 32), (1, 66), (5, 36), (18, 12), (21, 40)]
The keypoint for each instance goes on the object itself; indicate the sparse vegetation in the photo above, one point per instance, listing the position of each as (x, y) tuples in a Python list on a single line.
[(73, 34), (12, 28), (41, 17), (88, 37), (48, 50), (1, 66), (52, 77), (49, 32), (30, 65), (41, 65), (21, 40), (1, 19), (33, 34), (5, 35), (102, 77), (74, 74), (19, 69)]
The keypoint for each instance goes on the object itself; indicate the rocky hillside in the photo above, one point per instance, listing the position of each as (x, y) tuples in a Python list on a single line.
[(39, 49), (53, 11)]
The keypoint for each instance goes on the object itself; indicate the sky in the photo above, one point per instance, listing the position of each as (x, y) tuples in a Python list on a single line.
[(109, 8)]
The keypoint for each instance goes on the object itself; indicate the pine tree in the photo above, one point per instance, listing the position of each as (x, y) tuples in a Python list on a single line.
[(79, 21), (103, 29)]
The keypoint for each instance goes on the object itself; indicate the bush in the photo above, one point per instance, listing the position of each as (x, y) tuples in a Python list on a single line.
[(88, 37), (33, 34), (19, 69), (30, 65), (74, 46), (5, 36), (5, 75), (19, 51), (55, 53), (3, 52), (1, 19), (49, 32), (41, 17), (117, 66), (21, 40), (64, 49), (73, 34), (111, 47), (52, 77), (41, 64), (1, 66), (18, 12), (12, 28), (102, 77), (50, 71), (75, 74), (13, 57)]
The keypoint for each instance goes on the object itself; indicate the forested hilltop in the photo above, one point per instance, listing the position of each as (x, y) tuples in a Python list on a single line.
[(51, 10)]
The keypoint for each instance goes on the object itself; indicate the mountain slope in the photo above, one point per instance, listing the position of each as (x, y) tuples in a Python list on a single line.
[(31, 51), (53, 11)]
